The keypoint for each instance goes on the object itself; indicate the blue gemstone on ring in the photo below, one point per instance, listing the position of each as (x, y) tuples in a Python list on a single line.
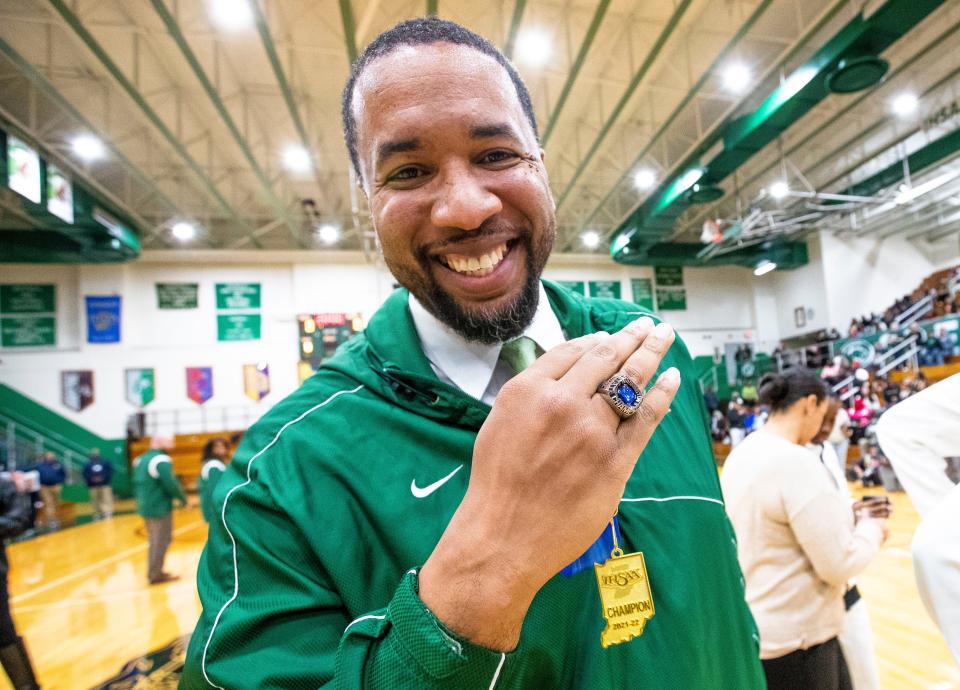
[(626, 393)]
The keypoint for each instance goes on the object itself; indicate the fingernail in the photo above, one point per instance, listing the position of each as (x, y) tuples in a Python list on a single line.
[(663, 330), (643, 322), (670, 376)]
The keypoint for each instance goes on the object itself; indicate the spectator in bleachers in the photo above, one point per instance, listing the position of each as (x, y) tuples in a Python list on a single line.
[(719, 424), (710, 398), (156, 489), (15, 516), (98, 473), (891, 392), (836, 371), (735, 416), (839, 436), (748, 391), (52, 478), (215, 454)]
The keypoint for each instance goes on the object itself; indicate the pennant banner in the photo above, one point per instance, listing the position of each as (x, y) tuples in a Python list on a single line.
[(140, 386), (76, 389), (256, 381), (199, 384)]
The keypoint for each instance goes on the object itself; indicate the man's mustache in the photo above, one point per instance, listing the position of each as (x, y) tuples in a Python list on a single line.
[(487, 229)]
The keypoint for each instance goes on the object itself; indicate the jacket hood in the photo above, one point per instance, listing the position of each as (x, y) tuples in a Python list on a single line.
[(388, 358)]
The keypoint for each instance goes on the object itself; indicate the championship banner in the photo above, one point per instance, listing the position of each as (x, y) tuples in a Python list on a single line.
[(199, 384), (256, 381), (103, 319), (140, 386), (76, 389)]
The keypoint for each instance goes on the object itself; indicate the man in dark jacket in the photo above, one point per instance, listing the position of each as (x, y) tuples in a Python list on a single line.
[(98, 473), (15, 516), (52, 477)]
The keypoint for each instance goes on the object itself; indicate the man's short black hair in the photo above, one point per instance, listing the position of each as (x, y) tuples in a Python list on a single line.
[(423, 31)]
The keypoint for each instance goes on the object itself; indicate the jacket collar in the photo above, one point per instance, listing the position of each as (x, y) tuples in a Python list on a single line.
[(388, 358)]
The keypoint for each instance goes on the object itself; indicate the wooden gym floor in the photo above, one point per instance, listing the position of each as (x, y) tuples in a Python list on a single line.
[(80, 598)]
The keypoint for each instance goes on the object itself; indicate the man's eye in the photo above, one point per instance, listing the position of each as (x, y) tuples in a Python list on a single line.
[(405, 174), (498, 156)]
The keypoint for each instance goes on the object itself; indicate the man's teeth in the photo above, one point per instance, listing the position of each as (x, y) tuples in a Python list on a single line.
[(476, 265)]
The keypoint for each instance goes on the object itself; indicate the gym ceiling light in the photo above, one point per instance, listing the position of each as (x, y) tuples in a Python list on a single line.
[(533, 48), (88, 147)]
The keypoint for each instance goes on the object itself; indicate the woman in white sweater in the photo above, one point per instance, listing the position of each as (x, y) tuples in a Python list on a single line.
[(797, 541)]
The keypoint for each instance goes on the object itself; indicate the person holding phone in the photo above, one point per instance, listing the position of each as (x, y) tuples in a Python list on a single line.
[(798, 541), (856, 639)]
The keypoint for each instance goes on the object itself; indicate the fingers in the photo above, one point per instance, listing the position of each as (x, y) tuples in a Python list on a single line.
[(636, 431), (606, 357), (643, 363), (558, 360)]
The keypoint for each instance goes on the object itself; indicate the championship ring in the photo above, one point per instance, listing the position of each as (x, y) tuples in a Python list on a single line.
[(623, 395)]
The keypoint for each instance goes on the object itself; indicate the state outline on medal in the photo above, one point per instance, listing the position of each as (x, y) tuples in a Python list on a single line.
[(625, 610)]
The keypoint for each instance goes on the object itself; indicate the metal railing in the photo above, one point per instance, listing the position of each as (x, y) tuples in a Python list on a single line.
[(845, 389), (898, 354), (709, 379), (914, 313), (24, 447), (200, 420)]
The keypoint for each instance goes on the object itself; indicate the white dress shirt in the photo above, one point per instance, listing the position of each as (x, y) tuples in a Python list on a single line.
[(475, 368)]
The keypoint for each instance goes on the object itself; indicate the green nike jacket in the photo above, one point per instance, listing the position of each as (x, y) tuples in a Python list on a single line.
[(309, 576), (210, 474), (154, 484)]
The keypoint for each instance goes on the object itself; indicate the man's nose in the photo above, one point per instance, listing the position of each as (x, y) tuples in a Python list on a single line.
[(463, 202)]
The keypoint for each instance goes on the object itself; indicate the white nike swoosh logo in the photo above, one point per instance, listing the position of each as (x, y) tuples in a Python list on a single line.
[(427, 490)]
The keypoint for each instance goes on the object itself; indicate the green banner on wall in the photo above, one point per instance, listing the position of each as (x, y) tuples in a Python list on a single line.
[(177, 295), (238, 295), (27, 299), (28, 331), (605, 288), (238, 326), (577, 286), (642, 289), (671, 299), (668, 276)]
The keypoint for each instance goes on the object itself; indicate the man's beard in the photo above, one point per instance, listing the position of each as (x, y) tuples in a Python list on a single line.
[(482, 325)]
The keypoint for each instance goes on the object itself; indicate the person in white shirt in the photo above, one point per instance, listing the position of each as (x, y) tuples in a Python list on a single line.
[(917, 435), (856, 638), (797, 540), (839, 437)]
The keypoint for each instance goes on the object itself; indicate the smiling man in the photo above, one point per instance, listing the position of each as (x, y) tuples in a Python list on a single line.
[(426, 511)]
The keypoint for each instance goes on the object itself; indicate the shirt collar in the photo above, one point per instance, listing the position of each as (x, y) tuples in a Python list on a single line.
[(469, 365)]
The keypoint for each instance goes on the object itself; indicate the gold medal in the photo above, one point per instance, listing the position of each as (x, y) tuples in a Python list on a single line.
[(625, 597)]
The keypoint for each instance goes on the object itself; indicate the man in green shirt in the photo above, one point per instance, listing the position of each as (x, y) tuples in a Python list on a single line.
[(155, 488), (424, 512)]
